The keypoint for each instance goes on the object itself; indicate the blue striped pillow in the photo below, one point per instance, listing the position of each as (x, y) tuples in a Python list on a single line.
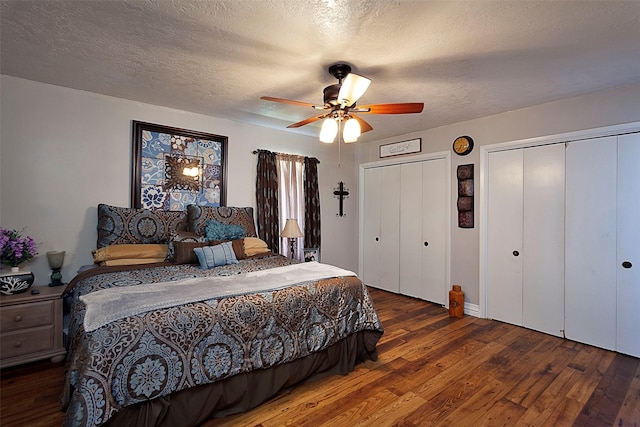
[(215, 256)]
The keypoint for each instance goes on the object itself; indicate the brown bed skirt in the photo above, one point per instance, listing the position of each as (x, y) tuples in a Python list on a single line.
[(192, 407)]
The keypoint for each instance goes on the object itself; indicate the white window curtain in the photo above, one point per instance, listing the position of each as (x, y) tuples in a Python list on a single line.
[(291, 198)]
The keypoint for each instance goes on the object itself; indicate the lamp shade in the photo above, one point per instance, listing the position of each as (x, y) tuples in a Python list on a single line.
[(55, 259), (329, 130), (353, 87), (291, 229), (351, 131)]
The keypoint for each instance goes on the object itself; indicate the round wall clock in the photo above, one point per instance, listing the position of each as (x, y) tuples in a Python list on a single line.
[(463, 145)]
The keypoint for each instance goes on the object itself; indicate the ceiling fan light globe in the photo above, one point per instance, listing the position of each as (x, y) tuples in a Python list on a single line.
[(352, 88), (329, 130), (351, 131)]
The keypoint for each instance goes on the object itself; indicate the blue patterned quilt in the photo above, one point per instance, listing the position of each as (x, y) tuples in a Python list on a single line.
[(156, 353)]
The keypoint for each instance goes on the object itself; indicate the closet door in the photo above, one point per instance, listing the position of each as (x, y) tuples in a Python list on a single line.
[(525, 239), (423, 243), (371, 227), (504, 236), (411, 268), (590, 246), (381, 223), (628, 245), (543, 239), (433, 245)]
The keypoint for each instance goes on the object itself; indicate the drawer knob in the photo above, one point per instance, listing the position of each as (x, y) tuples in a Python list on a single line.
[(17, 318), (17, 344)]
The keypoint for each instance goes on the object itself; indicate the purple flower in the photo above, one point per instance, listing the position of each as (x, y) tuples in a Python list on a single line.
[(15, 249)]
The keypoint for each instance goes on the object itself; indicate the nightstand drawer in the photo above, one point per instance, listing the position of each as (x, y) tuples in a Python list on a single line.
[(19, 343), (22, 316)]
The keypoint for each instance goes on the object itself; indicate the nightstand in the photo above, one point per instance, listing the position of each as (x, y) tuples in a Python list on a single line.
[(31, 326)]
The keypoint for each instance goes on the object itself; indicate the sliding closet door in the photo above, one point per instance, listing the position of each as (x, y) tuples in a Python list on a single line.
[(381, 223), (504, 236), (628, 244), (543, 239), (590, 246)]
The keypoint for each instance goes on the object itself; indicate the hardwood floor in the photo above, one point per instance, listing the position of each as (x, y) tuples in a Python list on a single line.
[(432, 370)]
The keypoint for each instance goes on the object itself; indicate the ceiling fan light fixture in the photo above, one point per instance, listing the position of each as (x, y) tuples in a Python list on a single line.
[(329, 130), (351, 131), (352, 88)]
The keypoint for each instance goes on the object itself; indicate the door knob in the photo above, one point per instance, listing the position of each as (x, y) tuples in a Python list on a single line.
[(627, 264), (377, 238), (426, 243), (516, 253)]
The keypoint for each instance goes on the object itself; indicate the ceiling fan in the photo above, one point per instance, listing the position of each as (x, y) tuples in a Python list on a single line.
[(340, 106)]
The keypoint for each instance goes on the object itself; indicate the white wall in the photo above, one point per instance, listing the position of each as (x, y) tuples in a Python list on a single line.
[(604, 108), (63, 151)]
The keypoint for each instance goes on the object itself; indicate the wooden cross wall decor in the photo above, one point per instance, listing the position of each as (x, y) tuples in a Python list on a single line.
[(341, 193)]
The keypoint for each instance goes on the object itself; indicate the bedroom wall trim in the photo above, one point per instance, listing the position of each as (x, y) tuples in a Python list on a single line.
[(584, 134), (472, 309)]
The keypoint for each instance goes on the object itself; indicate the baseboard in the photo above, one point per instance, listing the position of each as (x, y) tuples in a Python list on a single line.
[(472, 309)]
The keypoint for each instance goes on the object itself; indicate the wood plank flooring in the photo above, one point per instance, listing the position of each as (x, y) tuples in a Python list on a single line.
[(432, 370)]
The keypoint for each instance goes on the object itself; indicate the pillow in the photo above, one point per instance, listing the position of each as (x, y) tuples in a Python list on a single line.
[(199, 215), (118, 225), (215, 256), (131, 251), (237, 245), (183, 252), (218, 231), (254, 246), (186, 255), (131, 261)]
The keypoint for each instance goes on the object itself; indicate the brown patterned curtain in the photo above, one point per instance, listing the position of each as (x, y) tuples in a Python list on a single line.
[(267, 200), (311, 203)]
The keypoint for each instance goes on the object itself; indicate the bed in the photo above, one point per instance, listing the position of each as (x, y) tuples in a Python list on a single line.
[(170, 343)]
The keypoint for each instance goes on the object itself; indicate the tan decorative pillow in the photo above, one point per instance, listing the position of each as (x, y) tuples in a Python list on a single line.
[(254, 246), (131, 251), (131, 261)]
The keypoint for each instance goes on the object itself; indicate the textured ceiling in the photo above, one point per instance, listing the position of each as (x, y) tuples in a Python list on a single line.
[(463, 59)]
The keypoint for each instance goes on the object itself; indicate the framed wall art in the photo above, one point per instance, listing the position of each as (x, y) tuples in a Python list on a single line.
[(402, 147), (174, 167)]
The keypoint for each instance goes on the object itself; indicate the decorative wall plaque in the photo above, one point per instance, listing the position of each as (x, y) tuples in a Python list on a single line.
[(465, 196)]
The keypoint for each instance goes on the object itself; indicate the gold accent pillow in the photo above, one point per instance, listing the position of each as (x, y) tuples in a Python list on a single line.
[(254, 246), (131, 251)]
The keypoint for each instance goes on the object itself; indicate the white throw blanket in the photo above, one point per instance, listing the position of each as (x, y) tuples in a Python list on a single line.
[(111, 304)]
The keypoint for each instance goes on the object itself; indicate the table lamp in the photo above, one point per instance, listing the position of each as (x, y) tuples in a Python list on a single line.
[(55, 259), (292, 232)]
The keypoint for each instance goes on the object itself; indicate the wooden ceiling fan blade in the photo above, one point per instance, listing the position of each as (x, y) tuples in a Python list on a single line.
[(287, 101), (307, 121), (400, 108), (364, 126)]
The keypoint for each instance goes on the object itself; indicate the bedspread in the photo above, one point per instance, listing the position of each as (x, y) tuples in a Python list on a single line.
[(156, 353)]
